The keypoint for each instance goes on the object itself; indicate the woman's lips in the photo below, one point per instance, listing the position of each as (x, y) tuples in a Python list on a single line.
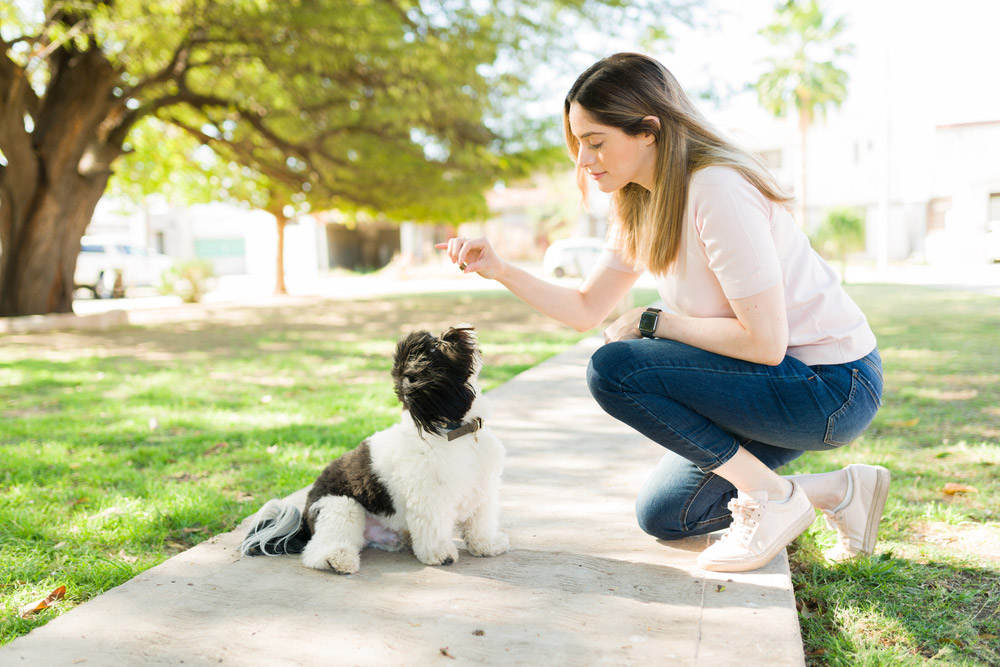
[(597, 176)]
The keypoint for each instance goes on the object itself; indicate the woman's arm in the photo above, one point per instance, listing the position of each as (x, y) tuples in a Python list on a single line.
[(758, 333), (582, 308)]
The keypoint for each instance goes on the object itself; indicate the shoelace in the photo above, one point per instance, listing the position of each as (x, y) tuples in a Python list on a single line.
[(746, 517)]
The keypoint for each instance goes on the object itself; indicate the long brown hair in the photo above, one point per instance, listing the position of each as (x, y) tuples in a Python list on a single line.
[(622, 91)]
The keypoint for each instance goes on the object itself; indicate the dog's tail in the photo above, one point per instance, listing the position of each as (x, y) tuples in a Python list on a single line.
[(277, 529)]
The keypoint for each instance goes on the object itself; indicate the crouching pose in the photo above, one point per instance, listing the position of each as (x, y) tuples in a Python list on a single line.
[(408, 485), (760, 354)]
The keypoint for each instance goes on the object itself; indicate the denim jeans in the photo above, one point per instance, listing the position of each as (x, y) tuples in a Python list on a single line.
[(703, 406)]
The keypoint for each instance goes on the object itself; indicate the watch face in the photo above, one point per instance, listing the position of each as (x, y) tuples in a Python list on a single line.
[(647, 322)]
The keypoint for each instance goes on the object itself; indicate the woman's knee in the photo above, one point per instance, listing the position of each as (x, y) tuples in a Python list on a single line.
[(604, 369), (669, 525), (678, 500)]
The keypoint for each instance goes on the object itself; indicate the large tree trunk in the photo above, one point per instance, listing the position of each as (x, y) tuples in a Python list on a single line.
[(57, 171)]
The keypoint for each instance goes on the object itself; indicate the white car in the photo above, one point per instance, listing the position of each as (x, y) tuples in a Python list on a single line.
[(108, 267), (572, 257)]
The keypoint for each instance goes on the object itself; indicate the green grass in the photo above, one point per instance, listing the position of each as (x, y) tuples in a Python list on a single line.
[(120, 449), (931, 593)]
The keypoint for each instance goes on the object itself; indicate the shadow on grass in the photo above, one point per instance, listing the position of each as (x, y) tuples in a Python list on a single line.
[(888, 610)]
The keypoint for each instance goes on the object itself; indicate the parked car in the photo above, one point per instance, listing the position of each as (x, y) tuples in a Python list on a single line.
[(108, 267), (572, 257)]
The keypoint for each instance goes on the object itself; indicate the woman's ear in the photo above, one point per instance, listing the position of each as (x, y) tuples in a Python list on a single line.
[(651, 134)]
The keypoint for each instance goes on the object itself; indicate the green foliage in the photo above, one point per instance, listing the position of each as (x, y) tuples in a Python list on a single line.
[(408, 110), (187, 279), (805, 77), (842, 233)]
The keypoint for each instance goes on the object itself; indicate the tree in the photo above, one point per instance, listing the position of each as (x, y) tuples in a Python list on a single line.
[(805, 77), (842, 233), (386, 105)]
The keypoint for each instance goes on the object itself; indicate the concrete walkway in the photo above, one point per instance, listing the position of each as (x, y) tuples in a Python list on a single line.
[(582, 584)]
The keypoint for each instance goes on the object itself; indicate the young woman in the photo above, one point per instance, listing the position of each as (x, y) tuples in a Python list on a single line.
[(760, 354)]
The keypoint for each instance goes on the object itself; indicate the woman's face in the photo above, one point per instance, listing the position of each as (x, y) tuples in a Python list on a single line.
[(611, 157)]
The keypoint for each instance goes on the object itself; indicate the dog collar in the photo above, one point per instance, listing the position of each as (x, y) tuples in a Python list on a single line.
[(466, 429)]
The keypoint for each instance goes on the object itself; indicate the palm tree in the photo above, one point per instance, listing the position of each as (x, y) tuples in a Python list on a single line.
[(802, 78)]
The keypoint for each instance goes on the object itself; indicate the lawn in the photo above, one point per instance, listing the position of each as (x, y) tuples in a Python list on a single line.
[(932, 591), (122, 448)]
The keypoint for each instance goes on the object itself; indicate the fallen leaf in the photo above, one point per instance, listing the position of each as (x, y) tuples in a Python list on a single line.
[(194, 529), (951, 488), (987, 636), (905, 423), (719, 588), (125, 557), (177, 545), (444, 652), (46, 602), (215, 449), (478, 633)]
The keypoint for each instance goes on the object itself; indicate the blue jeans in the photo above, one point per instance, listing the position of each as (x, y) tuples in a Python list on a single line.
[(703, 406)]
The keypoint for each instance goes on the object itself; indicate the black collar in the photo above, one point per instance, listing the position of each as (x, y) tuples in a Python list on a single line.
[(458, 430)]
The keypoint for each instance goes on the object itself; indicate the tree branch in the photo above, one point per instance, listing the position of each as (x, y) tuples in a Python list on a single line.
[(174, 69)]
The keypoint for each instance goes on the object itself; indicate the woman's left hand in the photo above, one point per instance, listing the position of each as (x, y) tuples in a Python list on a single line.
[(625, 327)]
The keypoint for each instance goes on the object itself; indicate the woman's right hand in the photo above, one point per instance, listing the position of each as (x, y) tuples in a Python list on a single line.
[(474, 256)]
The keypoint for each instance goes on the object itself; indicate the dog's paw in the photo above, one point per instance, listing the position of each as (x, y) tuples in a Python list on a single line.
[(444, 555), (341, 561), (499, 544)]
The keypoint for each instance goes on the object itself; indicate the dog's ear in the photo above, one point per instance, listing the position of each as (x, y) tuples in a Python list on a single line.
[(459, 343)]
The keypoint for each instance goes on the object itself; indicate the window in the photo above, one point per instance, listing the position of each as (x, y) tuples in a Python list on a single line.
[(995, 206)]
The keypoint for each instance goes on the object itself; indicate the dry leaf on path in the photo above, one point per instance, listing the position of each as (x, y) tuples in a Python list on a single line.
[(46, 602)]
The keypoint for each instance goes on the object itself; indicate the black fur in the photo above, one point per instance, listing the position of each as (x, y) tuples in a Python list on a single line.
[(431, 376), (295, 544), (351, 475)]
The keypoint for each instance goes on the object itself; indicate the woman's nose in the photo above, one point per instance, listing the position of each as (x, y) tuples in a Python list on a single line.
[(585, 158)]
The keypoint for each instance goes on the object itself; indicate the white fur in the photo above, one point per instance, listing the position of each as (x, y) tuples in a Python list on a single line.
[(338, 536), (435, 485)]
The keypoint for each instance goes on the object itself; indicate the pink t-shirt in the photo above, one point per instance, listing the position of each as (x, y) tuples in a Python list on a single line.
[(736, 243)]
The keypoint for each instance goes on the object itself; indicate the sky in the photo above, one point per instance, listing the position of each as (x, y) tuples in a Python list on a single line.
[(934, 62)]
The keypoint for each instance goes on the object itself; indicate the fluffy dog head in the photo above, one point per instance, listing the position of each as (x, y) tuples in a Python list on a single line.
[(434, 376)]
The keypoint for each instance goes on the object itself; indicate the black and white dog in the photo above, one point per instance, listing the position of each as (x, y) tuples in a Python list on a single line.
[(411, 483)]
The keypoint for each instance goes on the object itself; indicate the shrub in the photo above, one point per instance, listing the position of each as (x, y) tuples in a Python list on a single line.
[(842, 233), (188, 279)]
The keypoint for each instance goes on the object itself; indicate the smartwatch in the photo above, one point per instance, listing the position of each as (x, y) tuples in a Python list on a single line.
[(648, 321)]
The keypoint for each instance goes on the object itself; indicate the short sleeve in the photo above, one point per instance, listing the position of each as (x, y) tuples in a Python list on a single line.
[(611, 256), (733, 222)]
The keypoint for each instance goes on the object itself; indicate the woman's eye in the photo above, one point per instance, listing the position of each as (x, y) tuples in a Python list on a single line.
[(594, 147)]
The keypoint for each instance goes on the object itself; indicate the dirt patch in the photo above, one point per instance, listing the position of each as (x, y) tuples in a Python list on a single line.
[(975, 541)]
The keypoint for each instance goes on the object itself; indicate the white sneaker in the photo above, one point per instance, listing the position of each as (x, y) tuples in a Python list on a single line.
[(760, 529), (857, 517)]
